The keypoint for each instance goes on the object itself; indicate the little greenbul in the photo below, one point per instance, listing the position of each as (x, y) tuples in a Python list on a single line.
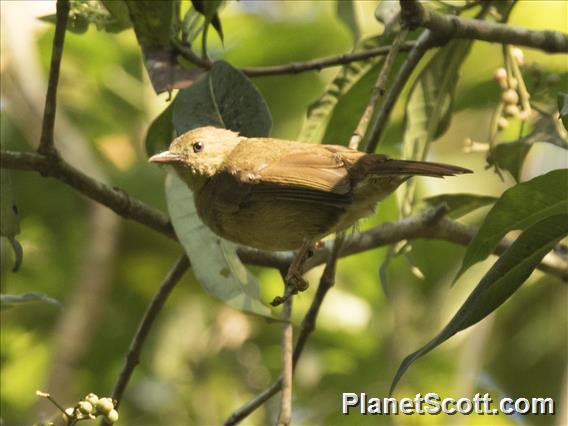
[(274, 194)]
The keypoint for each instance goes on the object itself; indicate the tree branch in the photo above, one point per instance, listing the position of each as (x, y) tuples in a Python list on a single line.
[(46, 143), (426, 41), (114, 198), (133, 356), (295, 67), (377, 91), (415, 14)]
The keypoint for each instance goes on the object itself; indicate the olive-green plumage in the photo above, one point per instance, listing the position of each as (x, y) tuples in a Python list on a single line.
[(273, 194)]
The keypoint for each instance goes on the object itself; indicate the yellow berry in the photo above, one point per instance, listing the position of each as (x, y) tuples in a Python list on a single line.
[(502, 123), (510, 97), (511, 110), (500, 77), (112, 416), (518, 55), (104, 405)]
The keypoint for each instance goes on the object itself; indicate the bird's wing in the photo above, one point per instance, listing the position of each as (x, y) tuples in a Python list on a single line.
[(316, 176), (319, 170)]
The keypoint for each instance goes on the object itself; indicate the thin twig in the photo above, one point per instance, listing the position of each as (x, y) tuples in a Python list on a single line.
[(46, 143), (308, 326), (378, 90), (456, 27), (426, 41), (294, 67), (285, 416), (133, 356)]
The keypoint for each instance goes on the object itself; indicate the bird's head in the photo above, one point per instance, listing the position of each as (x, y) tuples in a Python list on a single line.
[(199, 154)]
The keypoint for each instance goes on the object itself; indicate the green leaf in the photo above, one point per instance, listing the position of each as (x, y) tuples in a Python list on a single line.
[(562, 99), (518, 208), (430, 105), (161, 132), (8, 301), (461, 204), (10, 221), (346, 13), (224, 97), (503, 279), (214, 261)]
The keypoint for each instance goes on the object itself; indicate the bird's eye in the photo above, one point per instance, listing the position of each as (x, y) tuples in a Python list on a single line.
[(197, 147)]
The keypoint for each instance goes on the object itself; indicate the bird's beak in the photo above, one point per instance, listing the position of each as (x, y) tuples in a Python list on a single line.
[(164, 157)]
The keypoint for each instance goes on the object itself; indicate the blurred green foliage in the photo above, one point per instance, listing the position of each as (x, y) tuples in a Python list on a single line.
[(204, 359)]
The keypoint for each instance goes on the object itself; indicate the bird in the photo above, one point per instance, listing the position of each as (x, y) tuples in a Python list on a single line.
[(274, 194)]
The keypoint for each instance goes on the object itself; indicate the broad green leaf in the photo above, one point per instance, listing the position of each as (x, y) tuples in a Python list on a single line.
[(430, 105), (518, 208), (10, 221), (8, 301), (346, 14), (320, 112), (214, 261), (223, 97), (503, 279), (562, 99), (461, 204), (161, 132)]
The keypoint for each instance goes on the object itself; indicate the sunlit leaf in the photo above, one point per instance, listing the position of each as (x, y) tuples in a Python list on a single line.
[(503, 279), (461, 204), (10, 223), (223, 97), (8, 301), (346, 13), (518, 208)]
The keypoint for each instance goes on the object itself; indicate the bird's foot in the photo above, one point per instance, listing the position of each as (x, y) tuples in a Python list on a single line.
[(294, 284)]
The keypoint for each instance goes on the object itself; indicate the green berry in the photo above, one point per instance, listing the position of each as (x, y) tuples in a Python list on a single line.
[(85, 407), (112, 416), (510, 97), (104, 405), (92, 398)]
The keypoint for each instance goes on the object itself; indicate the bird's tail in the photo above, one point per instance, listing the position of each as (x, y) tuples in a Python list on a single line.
[(421, 168)]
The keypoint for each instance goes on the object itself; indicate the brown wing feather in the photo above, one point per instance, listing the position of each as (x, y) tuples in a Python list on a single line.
[(320, 170)]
